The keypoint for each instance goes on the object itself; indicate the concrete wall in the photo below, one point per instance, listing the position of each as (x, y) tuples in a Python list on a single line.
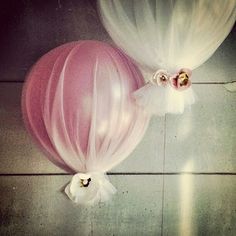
[(154, 196)]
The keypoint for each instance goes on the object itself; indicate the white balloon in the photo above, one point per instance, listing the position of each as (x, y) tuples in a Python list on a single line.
[(167, 35)]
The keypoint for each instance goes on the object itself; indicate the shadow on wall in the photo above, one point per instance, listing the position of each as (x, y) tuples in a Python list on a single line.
[(29, 29)]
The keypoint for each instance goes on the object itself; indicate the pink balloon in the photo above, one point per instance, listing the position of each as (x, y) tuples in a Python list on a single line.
[(77, 104)]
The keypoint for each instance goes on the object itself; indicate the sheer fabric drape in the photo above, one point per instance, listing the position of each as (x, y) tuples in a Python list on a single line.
[(167, 35)]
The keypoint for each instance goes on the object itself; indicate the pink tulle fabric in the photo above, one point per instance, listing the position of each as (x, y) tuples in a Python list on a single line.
[(77, 104)]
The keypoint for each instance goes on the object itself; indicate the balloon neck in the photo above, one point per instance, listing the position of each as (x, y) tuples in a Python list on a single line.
[(89, 188)]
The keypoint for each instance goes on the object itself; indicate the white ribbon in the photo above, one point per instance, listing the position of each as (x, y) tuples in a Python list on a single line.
[(89, 188)]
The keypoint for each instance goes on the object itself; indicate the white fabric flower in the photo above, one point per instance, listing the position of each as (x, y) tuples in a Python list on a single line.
[(89, 188)]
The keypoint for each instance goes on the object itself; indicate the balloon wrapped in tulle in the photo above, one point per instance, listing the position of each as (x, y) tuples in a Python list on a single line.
[(168, 38), (77, 104)]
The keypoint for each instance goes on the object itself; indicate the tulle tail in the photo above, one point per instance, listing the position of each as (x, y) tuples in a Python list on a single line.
[(160, 100), (89, 188), (151, 98)]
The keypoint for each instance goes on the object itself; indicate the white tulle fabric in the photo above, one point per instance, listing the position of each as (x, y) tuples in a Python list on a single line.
[(169, 35), (158, 100)]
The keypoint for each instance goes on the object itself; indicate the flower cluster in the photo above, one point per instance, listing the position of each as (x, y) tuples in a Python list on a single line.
[(179, 81)]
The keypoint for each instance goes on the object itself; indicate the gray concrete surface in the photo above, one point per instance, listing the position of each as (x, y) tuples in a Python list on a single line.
[(154, 197), (199, 205), (34, 205), (204, 135)]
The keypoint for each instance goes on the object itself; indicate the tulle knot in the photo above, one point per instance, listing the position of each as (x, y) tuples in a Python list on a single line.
[(89, 188)]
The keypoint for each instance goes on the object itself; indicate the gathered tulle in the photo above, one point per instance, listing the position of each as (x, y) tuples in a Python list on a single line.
[(178, 101), (159, 100), (167, 35), (152, 98), (99, 190)]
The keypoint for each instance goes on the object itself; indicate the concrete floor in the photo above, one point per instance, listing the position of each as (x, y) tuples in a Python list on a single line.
[(155, 194)]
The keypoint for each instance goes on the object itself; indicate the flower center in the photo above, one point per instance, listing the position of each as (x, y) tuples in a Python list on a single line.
[(183, 77), (85, 182)]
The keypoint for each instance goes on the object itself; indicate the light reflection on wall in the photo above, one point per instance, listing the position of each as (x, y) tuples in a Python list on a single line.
[(185, 125), (186, 226)]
